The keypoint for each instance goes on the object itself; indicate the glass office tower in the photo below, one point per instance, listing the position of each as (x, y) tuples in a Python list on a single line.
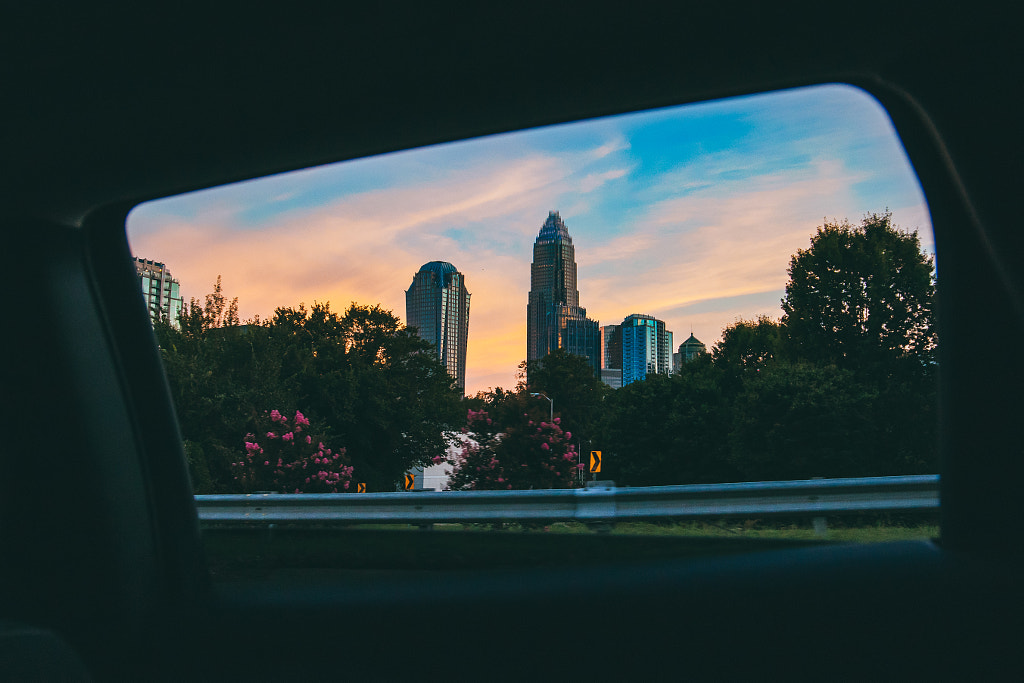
[(160, 290), (646, 348), (554, 318), (437, 304), (611, 347)]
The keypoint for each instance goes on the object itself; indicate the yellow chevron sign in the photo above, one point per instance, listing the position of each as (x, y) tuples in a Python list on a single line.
[(595, 462), (361, 487), (410, 479)]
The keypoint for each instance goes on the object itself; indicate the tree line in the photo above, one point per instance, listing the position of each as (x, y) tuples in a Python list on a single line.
[(369, 386)]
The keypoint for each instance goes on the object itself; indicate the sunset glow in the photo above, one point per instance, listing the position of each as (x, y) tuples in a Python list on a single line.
[(689, 214)]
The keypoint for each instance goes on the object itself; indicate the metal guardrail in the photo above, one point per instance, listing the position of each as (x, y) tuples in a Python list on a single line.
[(806, 498)]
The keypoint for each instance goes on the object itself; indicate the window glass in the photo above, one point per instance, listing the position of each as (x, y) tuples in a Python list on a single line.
[(734, 291)]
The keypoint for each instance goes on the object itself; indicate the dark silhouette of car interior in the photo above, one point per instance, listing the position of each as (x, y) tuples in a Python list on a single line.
[(106, 107)]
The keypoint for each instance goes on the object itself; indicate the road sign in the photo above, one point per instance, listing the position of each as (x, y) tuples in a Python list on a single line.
[(361, 487), (410, 480), (595, 462)]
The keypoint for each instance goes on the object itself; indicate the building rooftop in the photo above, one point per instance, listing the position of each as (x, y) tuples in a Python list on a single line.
[(554, 229), (439, 267)]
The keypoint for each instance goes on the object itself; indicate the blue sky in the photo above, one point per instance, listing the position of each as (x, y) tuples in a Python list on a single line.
[(687, 213)]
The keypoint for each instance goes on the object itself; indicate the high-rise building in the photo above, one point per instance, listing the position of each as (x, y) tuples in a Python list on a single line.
[(611, 355), (688, 350), (554, 318), (160, 290), (437, 304), (612, 377), (611, 347), (646, 348)]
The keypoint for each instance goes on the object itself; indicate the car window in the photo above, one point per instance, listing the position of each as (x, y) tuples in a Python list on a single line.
[(731, 292)]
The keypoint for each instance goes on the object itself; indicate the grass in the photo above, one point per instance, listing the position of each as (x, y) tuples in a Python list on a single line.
[(235, 553)]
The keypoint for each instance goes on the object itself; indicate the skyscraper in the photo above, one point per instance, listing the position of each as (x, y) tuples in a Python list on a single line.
[(554, 318), (611, 355), (160, 290), (437, 303), (646, 348), (611, 347)]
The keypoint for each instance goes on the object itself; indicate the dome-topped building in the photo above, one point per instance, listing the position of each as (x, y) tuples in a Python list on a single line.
[(439, 268), (437, 305), (688, 350)]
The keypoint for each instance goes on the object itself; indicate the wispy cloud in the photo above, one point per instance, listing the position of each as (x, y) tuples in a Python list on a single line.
[(731, 239), (595, 180), (618, 144)]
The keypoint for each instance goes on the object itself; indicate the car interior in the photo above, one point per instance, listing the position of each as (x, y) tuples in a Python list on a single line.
[(104, 575)]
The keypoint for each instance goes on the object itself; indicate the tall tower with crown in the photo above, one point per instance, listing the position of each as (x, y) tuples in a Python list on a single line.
[(554, 318)]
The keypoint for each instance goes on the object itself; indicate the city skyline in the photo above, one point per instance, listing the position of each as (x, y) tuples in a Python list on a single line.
[(689, 214)]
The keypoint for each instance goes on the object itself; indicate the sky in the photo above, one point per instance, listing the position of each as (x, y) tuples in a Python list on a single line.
[(690, 214)]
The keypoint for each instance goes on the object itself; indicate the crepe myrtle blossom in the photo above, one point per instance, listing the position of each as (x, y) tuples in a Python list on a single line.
[(521, 455), (281, 462)]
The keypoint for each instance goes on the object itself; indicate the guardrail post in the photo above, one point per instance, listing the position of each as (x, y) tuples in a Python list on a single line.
[(599, 514), (820, 523), (820, 527)]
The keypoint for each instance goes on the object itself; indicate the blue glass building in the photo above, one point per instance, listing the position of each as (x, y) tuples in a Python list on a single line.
[(646, 348)]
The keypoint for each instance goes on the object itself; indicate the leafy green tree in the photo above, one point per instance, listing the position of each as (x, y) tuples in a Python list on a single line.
[(668, 429), (371, 384), (220, 373), (378, 386), (507, 406), (196, 319), (803, 420), (861, 297), (569, 380), (748, 346)]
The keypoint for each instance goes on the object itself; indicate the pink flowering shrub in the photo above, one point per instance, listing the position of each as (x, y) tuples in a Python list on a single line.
[(525, 455), (282, 455)]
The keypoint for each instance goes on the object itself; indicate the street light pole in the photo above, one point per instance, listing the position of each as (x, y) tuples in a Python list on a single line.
[(550, 400)]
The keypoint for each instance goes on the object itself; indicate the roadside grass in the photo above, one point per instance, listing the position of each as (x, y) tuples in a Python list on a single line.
[(258, 553), (877, 532)]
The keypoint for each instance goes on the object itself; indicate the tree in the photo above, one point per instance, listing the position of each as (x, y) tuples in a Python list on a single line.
[(803, 420), (668, 429), (523, 454), (370, 383), (220, 375), (196, 319), (862, 297), (569, 380), (379, 387), (287, 456), (748, 345)]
